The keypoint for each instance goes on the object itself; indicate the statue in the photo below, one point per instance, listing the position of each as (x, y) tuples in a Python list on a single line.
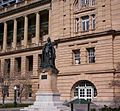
[(48, 55)]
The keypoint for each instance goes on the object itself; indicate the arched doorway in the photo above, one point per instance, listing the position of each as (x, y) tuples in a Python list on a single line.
[(84, 89)]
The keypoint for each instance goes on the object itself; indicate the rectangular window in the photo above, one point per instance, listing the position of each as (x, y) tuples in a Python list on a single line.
[(31, 27), (82, 93), (20, 31), (44, 23), (5, 90), (76, 56), (85, 3), (91, 55), (39, 59), (29, 90), (89, 92), (18, 64), (1, 35), (10, 25), (29, 63), (85, 23), (7, 67)]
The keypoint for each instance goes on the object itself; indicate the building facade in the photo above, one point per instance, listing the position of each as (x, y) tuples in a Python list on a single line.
[(86, 36)]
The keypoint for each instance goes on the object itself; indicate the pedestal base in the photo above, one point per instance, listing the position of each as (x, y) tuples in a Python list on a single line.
[(47, 102)]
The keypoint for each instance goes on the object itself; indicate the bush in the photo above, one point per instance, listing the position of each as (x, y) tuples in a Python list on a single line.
[(10, 105), (93, 109), (106, 108)]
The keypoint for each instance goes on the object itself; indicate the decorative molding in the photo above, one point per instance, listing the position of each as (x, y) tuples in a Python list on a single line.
[(87, 36), (24, 8)]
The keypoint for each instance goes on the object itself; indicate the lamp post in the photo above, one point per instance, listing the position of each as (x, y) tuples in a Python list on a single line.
[(15, 102), (89, 101)]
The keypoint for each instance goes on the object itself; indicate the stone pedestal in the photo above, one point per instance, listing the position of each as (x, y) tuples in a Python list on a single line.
[(47, 97)]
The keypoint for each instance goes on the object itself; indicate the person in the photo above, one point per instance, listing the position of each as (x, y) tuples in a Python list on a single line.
[(48, 55)]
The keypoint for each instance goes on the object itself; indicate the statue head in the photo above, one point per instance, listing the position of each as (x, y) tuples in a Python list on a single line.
[(48, 39)]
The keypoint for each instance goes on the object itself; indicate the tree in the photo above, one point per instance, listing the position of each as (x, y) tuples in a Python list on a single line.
[(5, 82), (9, 79), (23, 83), (115, 83)]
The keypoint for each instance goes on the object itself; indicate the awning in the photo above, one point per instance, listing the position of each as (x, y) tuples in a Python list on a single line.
[(77, 101)]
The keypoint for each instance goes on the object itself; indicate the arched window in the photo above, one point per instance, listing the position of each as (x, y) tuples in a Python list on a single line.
[(84, 90), (83, 3)]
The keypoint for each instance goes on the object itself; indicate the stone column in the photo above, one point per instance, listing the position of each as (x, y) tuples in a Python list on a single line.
[(15, 34), (37, 28), (5, 37), (25, 31)]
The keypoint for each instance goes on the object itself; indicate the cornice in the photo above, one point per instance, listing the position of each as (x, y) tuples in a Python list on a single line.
[(88, 36), (24, 8), (21, 51)]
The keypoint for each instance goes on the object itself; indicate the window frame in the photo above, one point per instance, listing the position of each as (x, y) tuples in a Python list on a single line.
[(76, 56), (82, 92), (85, 23), (91, 55)]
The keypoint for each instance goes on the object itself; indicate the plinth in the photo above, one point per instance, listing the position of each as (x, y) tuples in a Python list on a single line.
[(47, 97)]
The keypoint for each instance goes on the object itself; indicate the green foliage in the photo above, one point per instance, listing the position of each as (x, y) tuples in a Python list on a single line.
[(93, 109), (10, 105), (106, 108)]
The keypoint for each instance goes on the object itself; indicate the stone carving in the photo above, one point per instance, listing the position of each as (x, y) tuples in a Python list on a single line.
[(48, 55)]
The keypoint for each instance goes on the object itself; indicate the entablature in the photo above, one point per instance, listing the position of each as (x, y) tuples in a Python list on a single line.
[(22, 6)]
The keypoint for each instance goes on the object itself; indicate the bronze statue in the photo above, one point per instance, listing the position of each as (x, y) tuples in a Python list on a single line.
[(48, 55)]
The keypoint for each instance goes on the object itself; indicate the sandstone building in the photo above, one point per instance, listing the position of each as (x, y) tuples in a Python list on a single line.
[(86, 35)]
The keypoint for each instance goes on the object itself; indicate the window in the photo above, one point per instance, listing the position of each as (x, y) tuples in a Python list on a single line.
[(7, 67), (31, 27), (85, 3), (5, 90), (10, 25), (91, 55), (76, 56), (29, 63), (29, 90), (77, 22), (44, 23), (18, 64), (85, 90), (39, 59), (85, 23), (93, 22), (1, 34)]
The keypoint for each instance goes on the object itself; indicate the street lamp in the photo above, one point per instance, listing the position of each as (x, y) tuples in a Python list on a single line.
[(89, 101), (15, 102)]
